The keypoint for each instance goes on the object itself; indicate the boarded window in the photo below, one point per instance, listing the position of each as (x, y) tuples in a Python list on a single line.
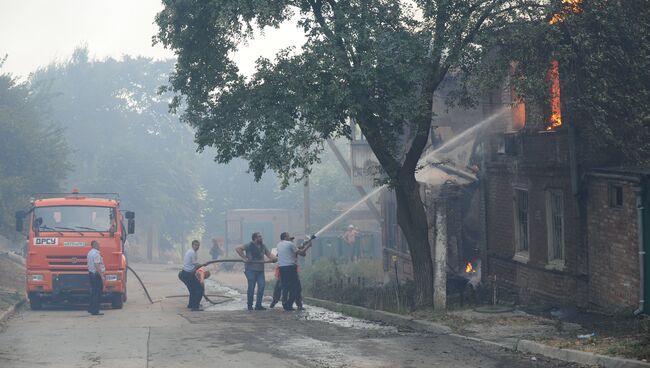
[(521, 220), (555, 224)]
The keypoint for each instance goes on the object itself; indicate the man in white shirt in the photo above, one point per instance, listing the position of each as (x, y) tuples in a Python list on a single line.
[(288, 254), (188, 276), (96, 271)]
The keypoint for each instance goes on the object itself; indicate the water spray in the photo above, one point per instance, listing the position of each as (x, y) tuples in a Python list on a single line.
[(339, 217), (446, 146)]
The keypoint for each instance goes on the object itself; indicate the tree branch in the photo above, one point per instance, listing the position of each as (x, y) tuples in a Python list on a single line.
[(472, 32), (316, 6)]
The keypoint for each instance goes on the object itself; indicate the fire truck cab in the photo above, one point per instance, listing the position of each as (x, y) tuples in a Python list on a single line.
[(60, 230)]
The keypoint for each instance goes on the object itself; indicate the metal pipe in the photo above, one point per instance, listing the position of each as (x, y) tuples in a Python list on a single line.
[(640, 231)]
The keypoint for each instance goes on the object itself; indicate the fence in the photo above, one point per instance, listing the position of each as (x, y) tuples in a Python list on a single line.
[(357, 284)]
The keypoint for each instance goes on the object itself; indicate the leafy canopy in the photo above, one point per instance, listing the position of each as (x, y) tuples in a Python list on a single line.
[(374, 61)]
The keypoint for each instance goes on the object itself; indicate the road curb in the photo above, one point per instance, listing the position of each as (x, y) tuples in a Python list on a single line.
[(577, 356), (9, 312), (381, 316), (524, 346), (512, 347)]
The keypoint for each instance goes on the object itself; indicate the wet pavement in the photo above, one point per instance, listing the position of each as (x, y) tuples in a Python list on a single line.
[(166, 334)]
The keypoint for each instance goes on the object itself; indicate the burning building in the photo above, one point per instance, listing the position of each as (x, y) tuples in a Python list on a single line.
[(558, 230)]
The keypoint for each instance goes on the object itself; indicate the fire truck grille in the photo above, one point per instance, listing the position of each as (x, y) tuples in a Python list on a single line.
[(67, 260), (70, 282)]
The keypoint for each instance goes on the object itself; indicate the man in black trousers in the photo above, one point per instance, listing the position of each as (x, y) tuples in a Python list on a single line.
[(188, 276), (288, 254), (96, 271)]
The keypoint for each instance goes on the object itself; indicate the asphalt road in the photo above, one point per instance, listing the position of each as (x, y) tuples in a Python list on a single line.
[(166, 334)]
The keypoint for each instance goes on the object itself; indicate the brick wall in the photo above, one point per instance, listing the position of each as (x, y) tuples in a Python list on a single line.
[(540, 164), (613, 247)]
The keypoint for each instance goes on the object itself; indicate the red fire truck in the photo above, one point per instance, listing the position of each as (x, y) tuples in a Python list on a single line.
[(60, 230)]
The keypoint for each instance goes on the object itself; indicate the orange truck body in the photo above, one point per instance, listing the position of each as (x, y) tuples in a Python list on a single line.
[(59, 235)]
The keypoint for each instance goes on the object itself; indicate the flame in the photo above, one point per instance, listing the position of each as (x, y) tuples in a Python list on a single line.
[(518, 111), (469, 268), (556, 113), (569, 6)]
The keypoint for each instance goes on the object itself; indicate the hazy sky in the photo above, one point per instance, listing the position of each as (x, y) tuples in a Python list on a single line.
[(35, 32)]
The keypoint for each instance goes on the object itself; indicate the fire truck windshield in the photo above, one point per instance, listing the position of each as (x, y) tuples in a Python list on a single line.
[(74, 218)]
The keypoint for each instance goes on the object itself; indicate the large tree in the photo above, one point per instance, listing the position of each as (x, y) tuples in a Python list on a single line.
[(377, 62)]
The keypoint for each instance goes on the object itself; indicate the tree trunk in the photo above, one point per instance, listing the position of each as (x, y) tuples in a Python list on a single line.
[(412, 219)]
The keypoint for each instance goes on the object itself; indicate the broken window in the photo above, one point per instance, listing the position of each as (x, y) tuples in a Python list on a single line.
[(521, 220), (555, 225), (615, 195)]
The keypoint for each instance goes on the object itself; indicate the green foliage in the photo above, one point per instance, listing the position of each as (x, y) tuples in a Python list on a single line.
[(377, 62), (33, 152)]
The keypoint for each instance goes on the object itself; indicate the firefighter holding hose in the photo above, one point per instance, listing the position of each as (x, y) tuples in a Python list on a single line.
[(188, 276)]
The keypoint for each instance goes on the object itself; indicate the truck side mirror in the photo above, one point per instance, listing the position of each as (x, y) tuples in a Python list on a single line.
[(130, 215), (20, 216)]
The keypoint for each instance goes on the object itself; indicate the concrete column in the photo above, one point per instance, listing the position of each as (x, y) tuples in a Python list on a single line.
[(440, 258)]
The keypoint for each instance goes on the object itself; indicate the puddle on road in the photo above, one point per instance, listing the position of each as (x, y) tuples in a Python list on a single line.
[(238, 303), (235, 303), (324, 315)]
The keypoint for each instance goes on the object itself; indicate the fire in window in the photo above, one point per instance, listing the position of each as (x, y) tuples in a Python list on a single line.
[(556, 112)]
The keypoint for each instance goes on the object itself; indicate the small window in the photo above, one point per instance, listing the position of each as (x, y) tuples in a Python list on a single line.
[(501, 145), (615, 195), (521, 220), (555, 225)]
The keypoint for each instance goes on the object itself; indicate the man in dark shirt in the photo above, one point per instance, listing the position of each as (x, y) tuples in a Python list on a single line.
[(253, 254)]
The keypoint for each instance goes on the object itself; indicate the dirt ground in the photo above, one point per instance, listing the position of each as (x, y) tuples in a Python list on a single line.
[(622, 335), (625, 336)]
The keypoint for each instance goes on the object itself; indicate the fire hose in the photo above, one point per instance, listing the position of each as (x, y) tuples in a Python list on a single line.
[(206, 296), (305, 246)]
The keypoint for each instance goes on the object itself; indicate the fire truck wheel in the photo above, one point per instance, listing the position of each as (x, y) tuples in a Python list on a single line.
[(35, 302), (117, 301)]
